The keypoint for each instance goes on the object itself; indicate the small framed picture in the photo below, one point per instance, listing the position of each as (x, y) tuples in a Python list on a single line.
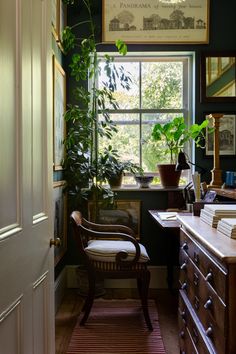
[(123, 212), (226, 136), (59, 107), (60, 218), (55, 19)]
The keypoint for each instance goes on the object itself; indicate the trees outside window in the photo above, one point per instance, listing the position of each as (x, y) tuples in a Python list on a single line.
[(159, 92)]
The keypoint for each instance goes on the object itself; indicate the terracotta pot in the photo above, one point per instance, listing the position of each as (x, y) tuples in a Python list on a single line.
[(169, 177), (115, 181)]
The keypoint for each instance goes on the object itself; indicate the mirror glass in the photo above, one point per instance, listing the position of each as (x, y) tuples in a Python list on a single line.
[(218, 77)]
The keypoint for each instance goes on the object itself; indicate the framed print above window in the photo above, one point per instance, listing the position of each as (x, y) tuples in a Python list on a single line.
[(59, 107), (60, 219), (156, 21), (226, 136)]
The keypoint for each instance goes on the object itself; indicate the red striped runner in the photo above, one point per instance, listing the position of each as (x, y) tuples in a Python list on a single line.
[(117, 327)]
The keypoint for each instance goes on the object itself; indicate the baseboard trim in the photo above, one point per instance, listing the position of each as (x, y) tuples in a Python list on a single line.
[(60, 286), (158, 279)]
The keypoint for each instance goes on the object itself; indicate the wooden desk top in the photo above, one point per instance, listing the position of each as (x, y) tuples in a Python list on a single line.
[(222, 246), (171, 224)]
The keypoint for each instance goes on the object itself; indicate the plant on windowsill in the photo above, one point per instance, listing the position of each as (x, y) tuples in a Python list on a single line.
[(175, 134), (81, 164), (111, 168)]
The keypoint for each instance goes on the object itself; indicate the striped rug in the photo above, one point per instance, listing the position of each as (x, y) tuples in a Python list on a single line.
[(117, 327)]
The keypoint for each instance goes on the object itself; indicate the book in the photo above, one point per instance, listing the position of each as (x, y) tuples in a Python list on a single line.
[(167, 215)]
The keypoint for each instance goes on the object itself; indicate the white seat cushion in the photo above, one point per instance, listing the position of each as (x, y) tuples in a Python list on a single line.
[(106, 250)]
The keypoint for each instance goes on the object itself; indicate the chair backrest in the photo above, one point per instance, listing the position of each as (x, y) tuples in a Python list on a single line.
[(79, 237)]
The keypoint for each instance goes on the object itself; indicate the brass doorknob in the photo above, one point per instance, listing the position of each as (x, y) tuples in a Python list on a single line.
[(55, 242)]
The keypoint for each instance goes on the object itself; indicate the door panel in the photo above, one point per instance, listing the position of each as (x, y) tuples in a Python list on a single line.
[(27, 261)]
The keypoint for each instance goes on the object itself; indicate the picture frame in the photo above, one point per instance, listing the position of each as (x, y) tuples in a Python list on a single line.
[(62, 22), (227, 136), (218, 76), (59, 108), (123, 212), (153, 21), (60, 219), (55, 18)]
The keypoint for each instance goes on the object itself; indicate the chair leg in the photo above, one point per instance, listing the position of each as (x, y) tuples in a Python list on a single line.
[(143, 287), (90, 297)]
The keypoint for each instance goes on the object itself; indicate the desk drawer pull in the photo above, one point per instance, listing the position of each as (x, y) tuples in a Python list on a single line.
[(208, 304), (209, 331), (209, 277), (196, 302), (184, 286), (185, 246), (196, 258), (183, 266), (195, 279), (182, 334)]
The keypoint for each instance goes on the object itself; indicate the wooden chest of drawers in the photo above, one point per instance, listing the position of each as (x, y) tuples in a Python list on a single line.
[(207, 297)]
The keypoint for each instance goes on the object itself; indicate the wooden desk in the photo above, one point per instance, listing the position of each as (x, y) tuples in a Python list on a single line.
[(170, 230)]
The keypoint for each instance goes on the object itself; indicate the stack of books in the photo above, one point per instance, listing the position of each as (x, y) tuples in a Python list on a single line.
[(227, 227), (212, 213)]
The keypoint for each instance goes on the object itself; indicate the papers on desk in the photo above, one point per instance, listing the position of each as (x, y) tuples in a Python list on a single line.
[(167, 215)]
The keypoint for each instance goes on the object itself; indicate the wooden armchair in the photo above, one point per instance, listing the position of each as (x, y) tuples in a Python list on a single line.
[(111, 251)]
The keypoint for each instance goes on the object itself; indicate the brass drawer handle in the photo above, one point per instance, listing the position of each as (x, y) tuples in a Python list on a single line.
[(183, 314), (196, 302), (208, 304), (195, 279), (196, 257), (183, 266), (209, 331), (185, 246), (209, 277)]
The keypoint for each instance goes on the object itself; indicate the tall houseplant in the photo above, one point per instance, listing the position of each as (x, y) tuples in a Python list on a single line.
[(174, 135), (84, 126)]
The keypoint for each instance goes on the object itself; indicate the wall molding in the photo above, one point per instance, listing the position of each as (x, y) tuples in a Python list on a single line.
[(60, 287)]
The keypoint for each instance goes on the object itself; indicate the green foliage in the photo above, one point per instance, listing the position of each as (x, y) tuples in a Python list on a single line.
[(176, 133), (110, 165), (83, 124)]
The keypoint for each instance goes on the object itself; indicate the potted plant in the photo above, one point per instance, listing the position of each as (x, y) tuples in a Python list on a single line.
[(175, 134), (83, 126), (111, 168)]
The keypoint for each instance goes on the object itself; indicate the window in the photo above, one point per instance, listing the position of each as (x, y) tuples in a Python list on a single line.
[(159, 91)]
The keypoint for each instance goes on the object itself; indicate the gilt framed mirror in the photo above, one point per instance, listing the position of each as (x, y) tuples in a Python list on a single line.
[(218, 76)]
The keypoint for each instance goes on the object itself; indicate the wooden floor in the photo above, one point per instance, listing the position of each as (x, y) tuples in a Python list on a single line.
[(72, 304)]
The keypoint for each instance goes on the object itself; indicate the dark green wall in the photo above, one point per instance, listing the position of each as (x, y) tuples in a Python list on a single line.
[(222, 38)]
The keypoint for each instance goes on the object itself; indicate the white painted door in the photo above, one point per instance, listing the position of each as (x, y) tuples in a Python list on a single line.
[(26, 260)]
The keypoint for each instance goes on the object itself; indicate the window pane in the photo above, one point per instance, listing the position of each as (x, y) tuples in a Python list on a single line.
[(126, 99), (126, 140), (154, 152), (162, 85)]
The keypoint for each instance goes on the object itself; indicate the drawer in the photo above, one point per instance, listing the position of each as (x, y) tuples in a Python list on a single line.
[(214, 274), (191, 337), (185, 342), (208, 307)]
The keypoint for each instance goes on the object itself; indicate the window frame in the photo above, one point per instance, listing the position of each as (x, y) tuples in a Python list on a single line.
[(187, 110)]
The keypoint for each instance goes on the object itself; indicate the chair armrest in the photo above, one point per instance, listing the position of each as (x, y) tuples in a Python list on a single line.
[(122, 254), (108, 227)]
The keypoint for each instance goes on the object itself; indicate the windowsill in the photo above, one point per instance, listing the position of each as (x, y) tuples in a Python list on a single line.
[(149, 189)]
